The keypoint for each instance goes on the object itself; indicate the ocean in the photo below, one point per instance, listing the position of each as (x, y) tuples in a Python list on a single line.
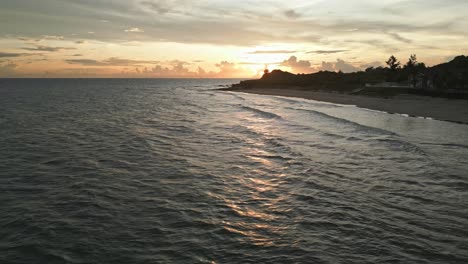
[(174, 171)]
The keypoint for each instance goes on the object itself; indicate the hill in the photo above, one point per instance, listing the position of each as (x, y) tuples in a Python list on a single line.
[(447, 79)]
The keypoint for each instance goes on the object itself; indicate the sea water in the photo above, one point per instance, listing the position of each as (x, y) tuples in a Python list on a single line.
[(175, 171)]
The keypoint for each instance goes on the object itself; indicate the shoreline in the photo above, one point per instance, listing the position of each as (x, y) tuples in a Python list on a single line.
[(442, 109)]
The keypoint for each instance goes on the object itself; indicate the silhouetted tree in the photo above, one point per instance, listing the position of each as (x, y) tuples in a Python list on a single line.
[(412, 61), (265, 73), (393, 63), (412, 69), (394, 66)]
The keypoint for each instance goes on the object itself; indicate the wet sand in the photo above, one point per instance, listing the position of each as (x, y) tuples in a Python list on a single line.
[(422, 106)]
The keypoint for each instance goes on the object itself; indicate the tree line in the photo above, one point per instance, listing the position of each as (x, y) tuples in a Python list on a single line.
[(451, 75), (445, 77), (396, 72)]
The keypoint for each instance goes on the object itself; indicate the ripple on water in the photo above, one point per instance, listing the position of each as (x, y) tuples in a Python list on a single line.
[(166, 171)]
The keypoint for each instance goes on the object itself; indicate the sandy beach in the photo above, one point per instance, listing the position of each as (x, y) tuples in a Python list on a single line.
[(422, 106)]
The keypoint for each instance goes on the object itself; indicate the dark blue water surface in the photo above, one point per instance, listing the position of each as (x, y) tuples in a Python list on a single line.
[(173, 171)]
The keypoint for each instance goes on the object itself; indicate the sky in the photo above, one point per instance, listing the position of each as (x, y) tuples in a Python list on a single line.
[(222, 39)]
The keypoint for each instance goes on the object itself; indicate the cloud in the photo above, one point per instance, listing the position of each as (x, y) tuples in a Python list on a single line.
[(303, 66), (135, 30), (79, 72), (371, 64), (272, 52), (229, 69), (10, 55), (375, 43), (225, 69), (400, 38), (52, 37), (161, 7), (291, 14), (339, 65), (327, 51), (248, 23), (297, 66), (127, 62), (27, 39), (8, 70), (40, 38), (114, 61), (48, 49), (177, 71), (343, 66), (17, 55), (258, 63), (327, 66), (178, 62), (86, 62)]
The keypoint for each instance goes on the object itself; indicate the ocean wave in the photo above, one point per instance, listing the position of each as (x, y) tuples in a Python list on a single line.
[(261, 113)]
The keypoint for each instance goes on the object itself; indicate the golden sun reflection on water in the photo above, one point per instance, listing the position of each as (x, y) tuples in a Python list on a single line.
[(255, 238), (256, 222), (259, 159), (255, 207), (255, 196), (246, 212)]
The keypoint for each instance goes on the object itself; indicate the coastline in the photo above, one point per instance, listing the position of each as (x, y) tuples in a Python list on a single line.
[(451, 110)]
